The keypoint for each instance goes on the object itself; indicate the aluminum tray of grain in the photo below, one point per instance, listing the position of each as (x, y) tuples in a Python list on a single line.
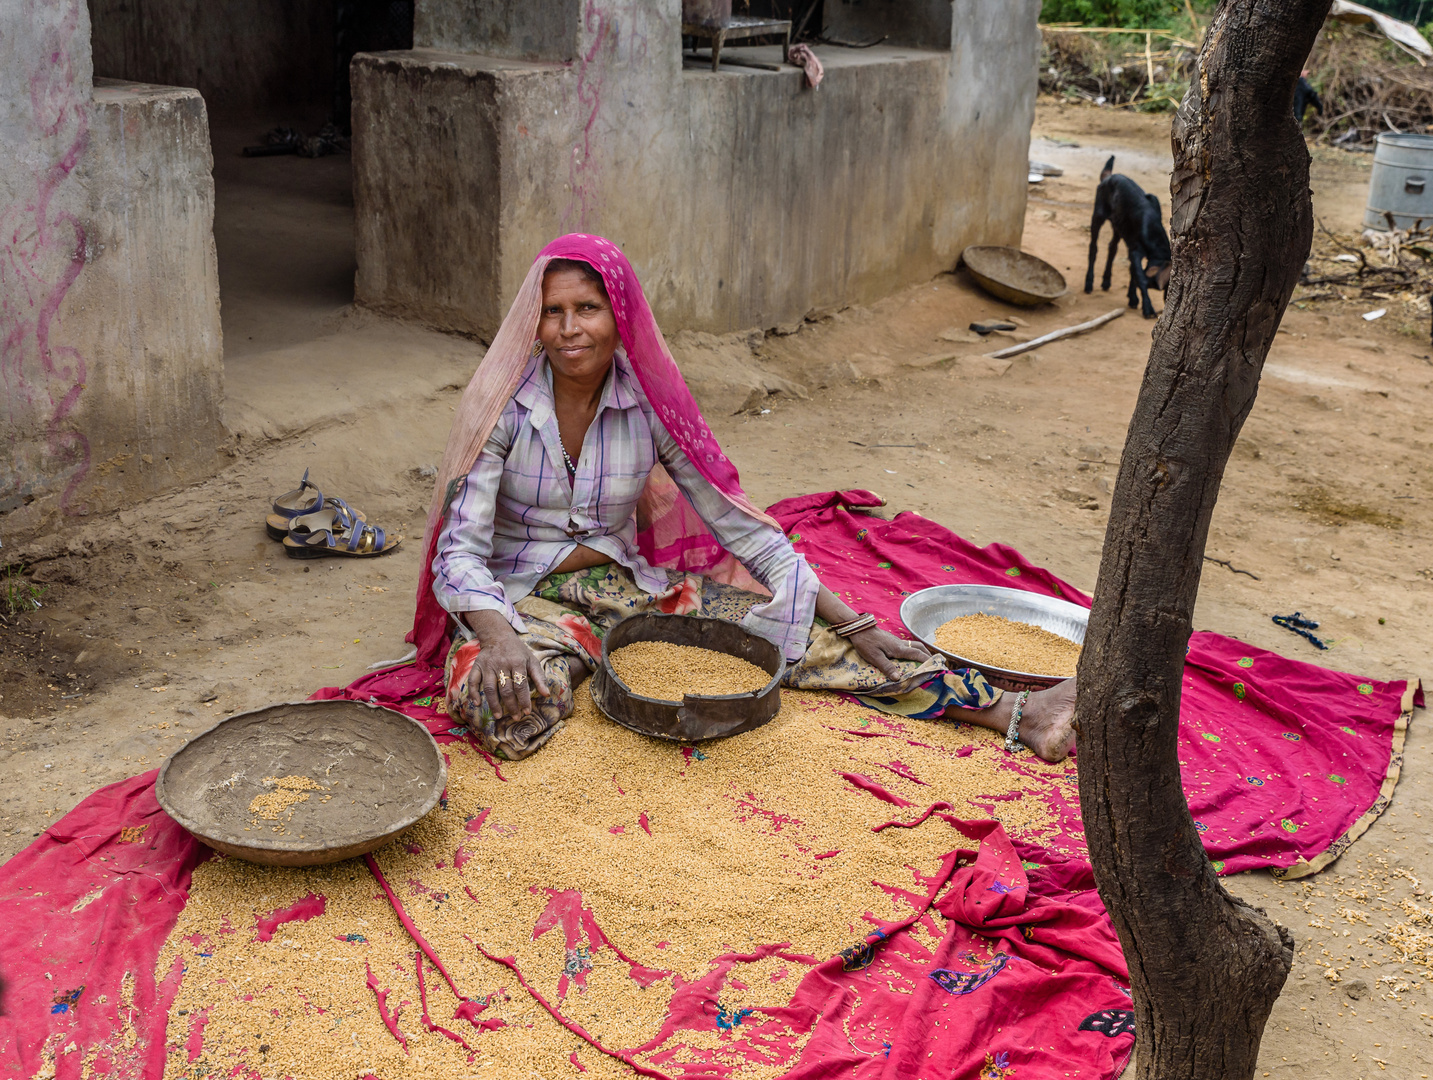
[(666, 674), (927, 611)]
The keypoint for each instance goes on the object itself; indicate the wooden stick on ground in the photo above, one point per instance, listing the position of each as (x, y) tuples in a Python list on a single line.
[(1069, 331)]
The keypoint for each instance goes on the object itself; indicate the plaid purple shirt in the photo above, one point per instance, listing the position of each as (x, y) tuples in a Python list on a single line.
[(517, 514)]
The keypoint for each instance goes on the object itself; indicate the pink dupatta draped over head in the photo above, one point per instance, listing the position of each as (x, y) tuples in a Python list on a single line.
[(670, 532)]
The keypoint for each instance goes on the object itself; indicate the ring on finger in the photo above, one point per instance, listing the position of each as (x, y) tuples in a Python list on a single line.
[(518, 678), (502, 678)]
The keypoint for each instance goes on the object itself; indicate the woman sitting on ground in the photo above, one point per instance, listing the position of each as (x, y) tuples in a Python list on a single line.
[(562, 460)]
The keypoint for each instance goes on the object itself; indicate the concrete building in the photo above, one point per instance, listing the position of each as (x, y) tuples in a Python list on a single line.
[(743, 198), (110, 354)]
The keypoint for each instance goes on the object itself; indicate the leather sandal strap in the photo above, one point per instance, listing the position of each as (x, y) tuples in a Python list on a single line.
[(316, 529), (356, 539), (345, 517), (297, 493)]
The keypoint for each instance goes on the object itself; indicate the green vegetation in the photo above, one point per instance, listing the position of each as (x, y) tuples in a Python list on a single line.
[(18, 594), (1158, 14), (1407, 10), (1174, 14)]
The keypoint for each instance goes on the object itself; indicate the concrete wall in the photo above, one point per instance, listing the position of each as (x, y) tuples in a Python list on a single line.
[(508, 29), (110, 375), (919, 23), (270, 58), (742, 197)]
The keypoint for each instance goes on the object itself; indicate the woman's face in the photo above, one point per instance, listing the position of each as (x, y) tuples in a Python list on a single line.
[(577, 328)]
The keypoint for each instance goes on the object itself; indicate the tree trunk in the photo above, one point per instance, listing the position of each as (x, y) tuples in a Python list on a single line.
[(1204, 967)]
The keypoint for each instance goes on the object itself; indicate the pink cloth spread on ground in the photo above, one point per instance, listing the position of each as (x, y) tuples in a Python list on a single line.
[(84, 911), (1280, 760)]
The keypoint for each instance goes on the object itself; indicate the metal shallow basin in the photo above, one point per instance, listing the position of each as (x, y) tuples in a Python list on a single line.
[(696, 716), (926, 611), (1014, 275), (381, 769)]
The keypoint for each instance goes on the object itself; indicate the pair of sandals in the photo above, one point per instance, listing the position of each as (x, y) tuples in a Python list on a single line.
[(311, 526)]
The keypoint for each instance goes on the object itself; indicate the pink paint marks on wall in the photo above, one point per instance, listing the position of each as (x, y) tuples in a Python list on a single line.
[(591, 74), (615, 36), (43, 248)]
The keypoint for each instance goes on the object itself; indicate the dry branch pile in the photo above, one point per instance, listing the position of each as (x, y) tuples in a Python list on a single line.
[(1378, 269), (1367, 83), (1115, 69), (1368, 86)]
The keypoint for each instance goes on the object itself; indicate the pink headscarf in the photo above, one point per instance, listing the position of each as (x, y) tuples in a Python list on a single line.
[(671, 534)]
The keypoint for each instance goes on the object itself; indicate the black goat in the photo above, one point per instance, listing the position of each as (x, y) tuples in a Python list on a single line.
[(1305, 98), (1134, 218)]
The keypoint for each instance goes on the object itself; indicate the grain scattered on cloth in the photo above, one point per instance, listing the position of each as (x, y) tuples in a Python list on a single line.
[(606, 841), (1005, 643), (660, 669)]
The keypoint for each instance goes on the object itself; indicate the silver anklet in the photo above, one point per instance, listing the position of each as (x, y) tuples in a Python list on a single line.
[(1012, 733)]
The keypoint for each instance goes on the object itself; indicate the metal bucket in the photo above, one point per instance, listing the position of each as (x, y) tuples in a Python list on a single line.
[(1401, 183)]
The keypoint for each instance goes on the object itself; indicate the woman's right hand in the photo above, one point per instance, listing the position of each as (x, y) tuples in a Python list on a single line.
[(505, 671)]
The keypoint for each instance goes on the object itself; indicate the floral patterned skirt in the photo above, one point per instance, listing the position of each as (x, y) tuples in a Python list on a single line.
[(568, 615)]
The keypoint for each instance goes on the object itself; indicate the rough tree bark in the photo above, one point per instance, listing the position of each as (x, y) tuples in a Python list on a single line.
[(1204, 967)]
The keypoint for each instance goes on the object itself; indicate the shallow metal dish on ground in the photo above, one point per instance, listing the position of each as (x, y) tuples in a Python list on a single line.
[(696, 716), (382, 769), (1014, 275), (924, 612)]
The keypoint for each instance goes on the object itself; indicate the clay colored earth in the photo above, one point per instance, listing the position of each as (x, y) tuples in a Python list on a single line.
[(166, 616)]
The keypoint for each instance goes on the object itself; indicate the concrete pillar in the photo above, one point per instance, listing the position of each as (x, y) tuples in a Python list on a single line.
[(110, 348), (743, 197)]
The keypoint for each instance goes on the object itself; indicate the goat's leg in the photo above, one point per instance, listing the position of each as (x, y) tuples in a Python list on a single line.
[(1110, 262), (1138, 280), (1095, 223)]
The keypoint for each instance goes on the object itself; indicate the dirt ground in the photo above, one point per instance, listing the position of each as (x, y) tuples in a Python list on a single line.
[(162, 618)]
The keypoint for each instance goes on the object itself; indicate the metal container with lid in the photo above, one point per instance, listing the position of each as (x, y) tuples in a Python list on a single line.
[(1401, 184)]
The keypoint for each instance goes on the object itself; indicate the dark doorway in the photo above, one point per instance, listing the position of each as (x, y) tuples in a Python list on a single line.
[(283, 224)]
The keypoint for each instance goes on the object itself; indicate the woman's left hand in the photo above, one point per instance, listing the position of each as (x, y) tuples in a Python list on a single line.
[(881, 649)]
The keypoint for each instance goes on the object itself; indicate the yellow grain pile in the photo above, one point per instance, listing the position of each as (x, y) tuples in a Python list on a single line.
[(1004, 643), (1413, 940), (730, 862), (288, 792), (662, 670)]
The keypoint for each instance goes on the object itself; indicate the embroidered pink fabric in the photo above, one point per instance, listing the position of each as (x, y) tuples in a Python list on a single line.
[(670, 532)]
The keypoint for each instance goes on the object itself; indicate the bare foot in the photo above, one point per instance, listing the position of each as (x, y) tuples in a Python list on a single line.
[(1047, 723)]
